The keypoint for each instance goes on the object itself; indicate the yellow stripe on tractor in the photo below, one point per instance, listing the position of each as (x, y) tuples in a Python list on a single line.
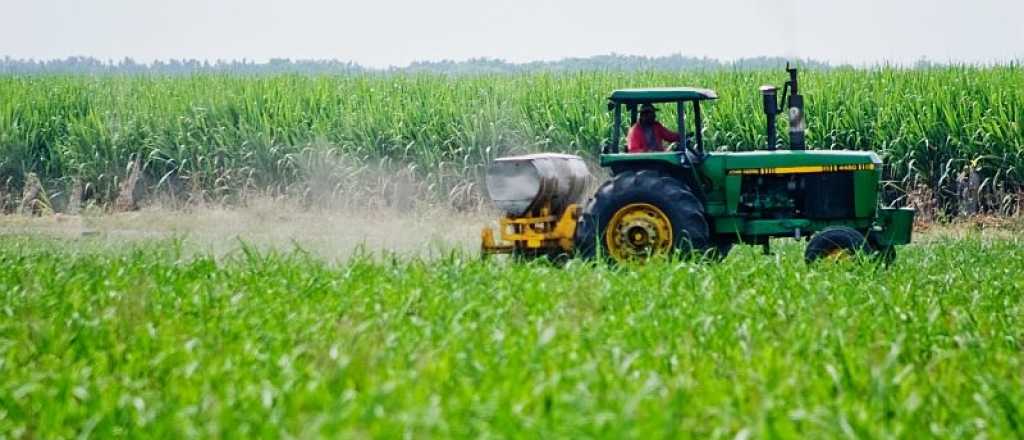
[(538, 232), (808, 169)]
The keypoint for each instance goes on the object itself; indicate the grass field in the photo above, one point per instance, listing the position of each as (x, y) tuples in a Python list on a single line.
[(148, 339), (223, 133)]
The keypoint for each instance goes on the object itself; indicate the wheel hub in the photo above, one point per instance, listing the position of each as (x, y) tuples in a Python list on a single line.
[(638, 231), (837, 254)]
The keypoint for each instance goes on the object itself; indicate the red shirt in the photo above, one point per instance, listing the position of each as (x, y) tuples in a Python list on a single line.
[(637, 143)]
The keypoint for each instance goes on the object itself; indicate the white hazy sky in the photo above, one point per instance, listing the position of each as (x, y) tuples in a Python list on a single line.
[(390, 32)]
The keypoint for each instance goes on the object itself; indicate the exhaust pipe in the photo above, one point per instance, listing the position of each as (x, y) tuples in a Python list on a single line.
[(797, 125)]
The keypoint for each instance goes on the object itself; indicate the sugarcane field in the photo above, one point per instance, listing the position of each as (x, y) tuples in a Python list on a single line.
[(487, 220)]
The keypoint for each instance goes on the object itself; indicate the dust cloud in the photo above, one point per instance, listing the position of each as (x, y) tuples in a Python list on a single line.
[(269, 224), (340, 206)]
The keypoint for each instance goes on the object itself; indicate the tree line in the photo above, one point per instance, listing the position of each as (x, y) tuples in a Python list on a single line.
[(274, 66)]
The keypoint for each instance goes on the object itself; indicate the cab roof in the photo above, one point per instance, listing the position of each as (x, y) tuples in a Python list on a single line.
[(661, 94)]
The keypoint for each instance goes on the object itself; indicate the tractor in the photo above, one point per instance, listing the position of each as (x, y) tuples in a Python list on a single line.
[(687, 201)]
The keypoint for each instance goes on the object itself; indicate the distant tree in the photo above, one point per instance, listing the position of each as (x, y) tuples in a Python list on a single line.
[(609, 62)]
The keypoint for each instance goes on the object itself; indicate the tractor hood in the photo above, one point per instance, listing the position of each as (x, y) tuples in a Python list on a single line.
[(790, 161), (795, 161)]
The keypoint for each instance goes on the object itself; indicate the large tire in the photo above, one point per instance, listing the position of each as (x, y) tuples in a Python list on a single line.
[(836, 242), (666, 201)]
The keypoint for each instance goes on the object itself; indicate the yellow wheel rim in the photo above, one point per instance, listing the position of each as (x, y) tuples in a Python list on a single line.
[(638, 231), (837, 254)]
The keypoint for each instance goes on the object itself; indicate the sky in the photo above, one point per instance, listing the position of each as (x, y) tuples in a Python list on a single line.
[(381, 33)]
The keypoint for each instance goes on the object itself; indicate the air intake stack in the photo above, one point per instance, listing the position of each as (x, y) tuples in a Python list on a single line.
[(793, 102), (771, 109)]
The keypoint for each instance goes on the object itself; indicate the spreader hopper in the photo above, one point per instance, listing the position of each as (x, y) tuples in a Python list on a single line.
[(539, 195)]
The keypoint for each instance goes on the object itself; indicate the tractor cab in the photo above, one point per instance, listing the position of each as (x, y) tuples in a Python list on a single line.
[(691, 140)]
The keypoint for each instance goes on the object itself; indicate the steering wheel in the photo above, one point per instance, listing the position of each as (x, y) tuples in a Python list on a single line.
[(690, 139)]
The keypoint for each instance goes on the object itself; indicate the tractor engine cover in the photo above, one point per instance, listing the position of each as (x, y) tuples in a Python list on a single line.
[(521, 184)]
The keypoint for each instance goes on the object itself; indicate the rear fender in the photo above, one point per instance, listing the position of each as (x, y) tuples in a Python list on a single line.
[(682, 172)]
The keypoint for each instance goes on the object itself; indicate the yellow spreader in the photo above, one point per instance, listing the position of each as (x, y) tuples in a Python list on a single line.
[(539, 195), (534, 233)]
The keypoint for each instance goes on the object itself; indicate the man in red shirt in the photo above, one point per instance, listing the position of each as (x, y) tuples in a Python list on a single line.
[(647, 135)]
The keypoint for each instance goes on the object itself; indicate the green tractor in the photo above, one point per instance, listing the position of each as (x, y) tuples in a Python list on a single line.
[(689, 201)]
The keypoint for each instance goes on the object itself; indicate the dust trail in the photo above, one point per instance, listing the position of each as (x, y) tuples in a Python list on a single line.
[(269, 225), (341, 205)]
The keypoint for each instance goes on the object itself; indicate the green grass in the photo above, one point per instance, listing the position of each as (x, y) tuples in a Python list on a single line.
[(224, 131), (144, 341)]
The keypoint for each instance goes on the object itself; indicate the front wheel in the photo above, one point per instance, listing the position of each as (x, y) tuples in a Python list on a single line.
[(835, 243), (885, 254), (639, 215)]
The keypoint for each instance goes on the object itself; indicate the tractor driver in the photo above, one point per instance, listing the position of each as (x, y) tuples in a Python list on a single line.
[(648, 134)]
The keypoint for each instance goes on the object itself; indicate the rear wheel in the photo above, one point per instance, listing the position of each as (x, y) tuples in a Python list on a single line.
[(639, 215), (835, 243)]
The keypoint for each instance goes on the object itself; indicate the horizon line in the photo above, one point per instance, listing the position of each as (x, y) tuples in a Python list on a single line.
[(726, 62)]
